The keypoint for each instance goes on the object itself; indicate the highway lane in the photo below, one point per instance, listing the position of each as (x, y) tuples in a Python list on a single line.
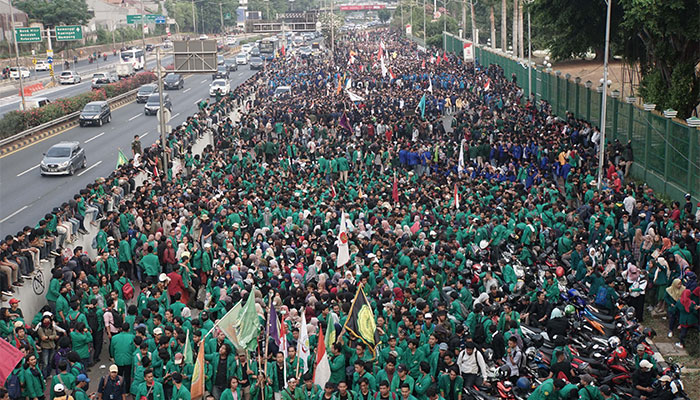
[(13, 102), (26, 196)]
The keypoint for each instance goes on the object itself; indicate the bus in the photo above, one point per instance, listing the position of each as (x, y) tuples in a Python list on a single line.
[(268, 47), (134, 56)]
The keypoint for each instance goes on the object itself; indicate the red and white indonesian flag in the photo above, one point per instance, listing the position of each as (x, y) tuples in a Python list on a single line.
[(343, 247), (322, 372), (383, 66), (303, 348)]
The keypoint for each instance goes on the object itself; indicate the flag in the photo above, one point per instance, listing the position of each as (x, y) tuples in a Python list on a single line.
[(456, 202), (422, 66), (330, 333), (348, 84), (344, 122), (430, 85), (187, 351), (487, 87), (361, 323), (197, 388), (283, 339), (303, 349), (460, 165), (343, 248), (380, 53), (10, 357), (121, 159), (283, 51), (353, 97), (384, 70), (322, 371), (391, 74), (415, 227), (360, 194), (249, 324), (155, 171), (395, 189), (437, 58), (340, 85), (230, 324), (333, 192), (421, 106), (273, 329)]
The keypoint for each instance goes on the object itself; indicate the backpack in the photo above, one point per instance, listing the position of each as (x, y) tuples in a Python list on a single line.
[(479, 334), (128, 291), (601, 298), (13, 386), (92, 321), (61, 355), (118, 320)]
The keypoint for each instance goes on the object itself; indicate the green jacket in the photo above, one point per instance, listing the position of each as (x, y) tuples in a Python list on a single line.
[(184, 394), (590, 392), (122, 348), (444, 385), (156, 390), (66, 379), (33, 382), (545, 391), (80, 343), (150, 264)]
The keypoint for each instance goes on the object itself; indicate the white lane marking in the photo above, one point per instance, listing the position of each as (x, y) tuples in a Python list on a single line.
[(90, 167), (203, 80), (187, 90), (175, 116), (94, 137), (13, 214), (27, 170), (134, 117), (144, 135), (197, 102)]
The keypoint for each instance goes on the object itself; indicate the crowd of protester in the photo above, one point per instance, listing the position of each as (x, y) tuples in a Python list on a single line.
[(259, 210)]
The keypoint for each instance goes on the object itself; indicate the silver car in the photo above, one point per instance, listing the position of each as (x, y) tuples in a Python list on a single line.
[(63, 159)]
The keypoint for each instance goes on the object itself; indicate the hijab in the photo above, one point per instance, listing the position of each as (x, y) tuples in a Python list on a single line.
[(556, 313), (685, 300), (676, 289), (665, 244)]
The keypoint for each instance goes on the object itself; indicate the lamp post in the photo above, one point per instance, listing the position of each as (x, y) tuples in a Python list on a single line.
[(424, 35), (601, 147), (529, 52), (19, 69)]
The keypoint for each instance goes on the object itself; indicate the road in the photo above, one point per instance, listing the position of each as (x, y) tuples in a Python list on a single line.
[(13, 102), (26, 196)]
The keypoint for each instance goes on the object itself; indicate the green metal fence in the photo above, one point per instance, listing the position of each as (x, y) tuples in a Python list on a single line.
[(666, 150)]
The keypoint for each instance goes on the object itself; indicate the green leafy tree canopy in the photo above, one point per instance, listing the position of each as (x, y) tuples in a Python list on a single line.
[(56, 12)]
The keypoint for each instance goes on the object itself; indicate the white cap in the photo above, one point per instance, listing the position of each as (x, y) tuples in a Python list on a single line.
[(59, 388), (157, 331)]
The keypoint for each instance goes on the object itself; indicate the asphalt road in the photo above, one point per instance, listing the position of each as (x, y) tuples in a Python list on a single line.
[(26, 196), (13, 102)]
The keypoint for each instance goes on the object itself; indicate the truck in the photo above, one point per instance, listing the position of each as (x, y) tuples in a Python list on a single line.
[(125, 70)]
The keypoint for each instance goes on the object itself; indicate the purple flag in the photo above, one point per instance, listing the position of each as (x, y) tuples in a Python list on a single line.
[(344, 122), (273, 328)]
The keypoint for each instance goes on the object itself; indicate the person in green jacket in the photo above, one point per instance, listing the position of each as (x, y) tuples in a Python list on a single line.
[(64, 377), (548, 390), (450, 385), (262, 389), (82, 382), (150, 389), (292, 392), (80, 338), (122, 348), (32, 380), (337, 364), (586, 389), (424, 382), (180, 391), (150, 265)]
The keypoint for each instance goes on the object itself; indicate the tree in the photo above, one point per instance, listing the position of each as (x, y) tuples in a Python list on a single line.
[(664, 39), (208, 14), (56, 12), (572, 28), (384, 15)]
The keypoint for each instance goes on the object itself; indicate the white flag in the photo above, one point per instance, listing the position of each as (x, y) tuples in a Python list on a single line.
[(430, 85), (343, 248), (461, 157), (384, 69), (303, 349), (354, 97), (348, 84)]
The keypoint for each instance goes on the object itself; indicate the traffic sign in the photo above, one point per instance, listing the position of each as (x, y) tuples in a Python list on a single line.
[(49, 53), (136, 18), (28, 35), (49, 60), (69, 32), (160, 19)]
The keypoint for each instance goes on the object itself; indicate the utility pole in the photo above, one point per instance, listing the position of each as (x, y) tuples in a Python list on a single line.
[(515, 28), (464, 19), (604, 104), (194, 19), (49, 50), (19, 70), (444, 28), (161, 114), (521, 47), (221, 17), (424, 42), (143, 37), (332, 24), (529, 54)]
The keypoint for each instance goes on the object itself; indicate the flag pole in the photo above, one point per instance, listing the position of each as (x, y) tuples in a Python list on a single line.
[(262, 388), (267, 336)]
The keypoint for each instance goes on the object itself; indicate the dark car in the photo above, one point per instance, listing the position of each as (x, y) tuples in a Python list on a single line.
[(95, 113), (63, 159), (149, 47), (145, 91), (153, 104), (231, 64), (255, 63), (221, 73), (173, 81)]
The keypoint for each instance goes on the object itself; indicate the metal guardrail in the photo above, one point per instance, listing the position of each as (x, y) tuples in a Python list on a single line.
[(58, 121)]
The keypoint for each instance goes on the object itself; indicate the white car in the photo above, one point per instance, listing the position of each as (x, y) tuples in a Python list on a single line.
[(14, 74), (203, 37), (241, 59), (42, 65), (221, 85), (68, 77), (246, 47)]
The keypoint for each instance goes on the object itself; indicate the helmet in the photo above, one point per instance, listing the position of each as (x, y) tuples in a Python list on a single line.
[(523, 383), (503, 372), (560, 271), (537, 340), (614, 341), (569, 310), (488, 354)]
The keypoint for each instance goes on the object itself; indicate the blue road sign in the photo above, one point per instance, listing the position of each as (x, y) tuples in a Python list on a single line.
[(50, 60), (160, 19)]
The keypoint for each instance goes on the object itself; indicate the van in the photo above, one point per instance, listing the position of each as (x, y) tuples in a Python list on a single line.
[(282, 91), (35, 102)]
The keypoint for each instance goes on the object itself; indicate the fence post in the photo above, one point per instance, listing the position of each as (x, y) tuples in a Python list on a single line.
[(647, 144), (667, 161), (577, 80), (589, 84), (692, 141), (557, 111), (568, 87), (615, 95)]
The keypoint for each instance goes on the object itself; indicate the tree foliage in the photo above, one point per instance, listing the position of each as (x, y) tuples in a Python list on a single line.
[(56, 12), (207, 15), (665, 41), (569, 29), (384, 15)]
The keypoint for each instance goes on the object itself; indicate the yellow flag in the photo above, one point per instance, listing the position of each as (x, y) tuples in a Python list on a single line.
[(197, 390)]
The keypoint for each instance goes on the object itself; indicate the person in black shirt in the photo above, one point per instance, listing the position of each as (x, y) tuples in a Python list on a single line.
[(643, 379), (111, 387), (562, 368), (538, 312)]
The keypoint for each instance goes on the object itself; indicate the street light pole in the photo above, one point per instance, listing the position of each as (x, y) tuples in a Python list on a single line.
[(194, 19), (529, 54), (424, 41), (19, 70), (604, 104), (221, 17), (161, 114), (143, 36)]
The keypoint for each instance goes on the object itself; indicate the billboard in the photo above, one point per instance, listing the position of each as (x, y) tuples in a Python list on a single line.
[(195, 56), (362, 7)]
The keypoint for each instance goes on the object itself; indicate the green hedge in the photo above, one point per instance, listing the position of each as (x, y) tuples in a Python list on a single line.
[(17, 121)]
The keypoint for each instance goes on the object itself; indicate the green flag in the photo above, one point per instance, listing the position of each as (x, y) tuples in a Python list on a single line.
[(249, 324), (121, 159), (187, 352), (230, 324), (361, 323), (330, 334), (421, 106)]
